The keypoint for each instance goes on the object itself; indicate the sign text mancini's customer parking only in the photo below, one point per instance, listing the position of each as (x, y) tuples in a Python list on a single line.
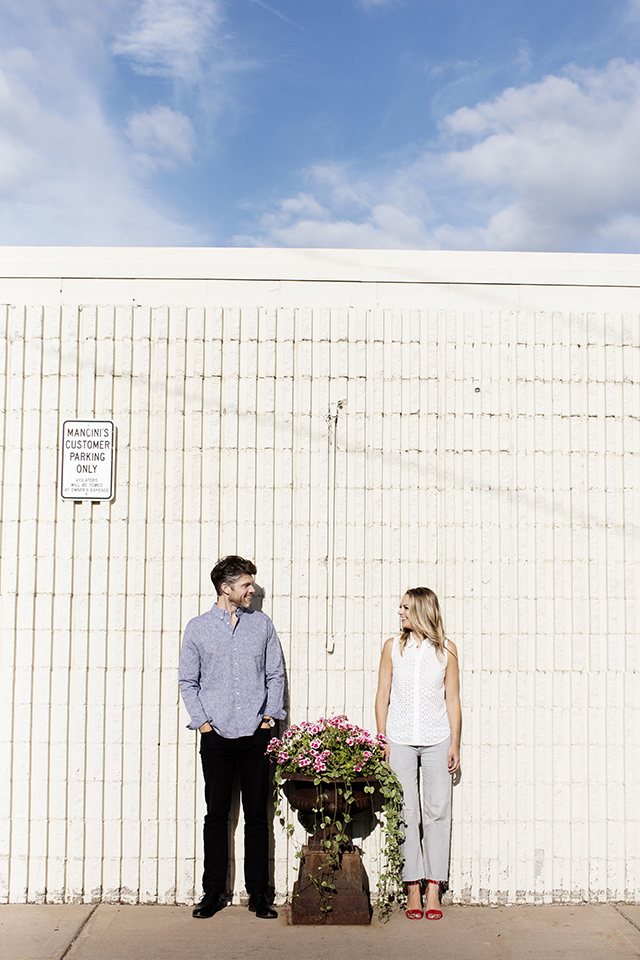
[(87, 460)]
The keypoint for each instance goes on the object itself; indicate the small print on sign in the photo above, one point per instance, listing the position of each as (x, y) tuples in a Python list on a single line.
[(87, 460)]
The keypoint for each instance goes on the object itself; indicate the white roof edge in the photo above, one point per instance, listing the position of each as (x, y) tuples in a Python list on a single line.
[(360, 266)]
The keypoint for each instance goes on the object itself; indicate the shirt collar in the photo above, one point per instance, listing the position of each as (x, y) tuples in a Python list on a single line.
[(221, 613)]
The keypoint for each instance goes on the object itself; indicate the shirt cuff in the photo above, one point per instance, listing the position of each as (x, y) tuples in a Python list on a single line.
[(276, 714), (196, 724)]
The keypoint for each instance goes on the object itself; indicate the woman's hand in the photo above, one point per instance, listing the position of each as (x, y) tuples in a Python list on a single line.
[(385, 751), (453, 759)]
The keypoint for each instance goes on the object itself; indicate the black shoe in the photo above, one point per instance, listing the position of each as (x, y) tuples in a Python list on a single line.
[(262, 908), (210, 904)]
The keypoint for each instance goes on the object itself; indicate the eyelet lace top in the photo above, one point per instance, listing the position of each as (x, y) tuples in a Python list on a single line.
[(417, 710)]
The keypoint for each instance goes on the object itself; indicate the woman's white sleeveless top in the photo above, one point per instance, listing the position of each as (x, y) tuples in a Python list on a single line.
[(417, 710)]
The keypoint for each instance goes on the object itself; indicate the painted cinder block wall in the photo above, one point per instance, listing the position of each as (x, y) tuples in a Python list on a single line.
[(358, 422)]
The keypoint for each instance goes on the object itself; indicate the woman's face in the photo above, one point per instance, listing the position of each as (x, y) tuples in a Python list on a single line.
[(403, 612)]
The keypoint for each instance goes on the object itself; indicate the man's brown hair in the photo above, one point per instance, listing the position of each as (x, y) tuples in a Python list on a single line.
[(230, 569)]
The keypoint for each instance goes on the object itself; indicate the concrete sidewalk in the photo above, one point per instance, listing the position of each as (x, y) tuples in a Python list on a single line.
[(115, 932)]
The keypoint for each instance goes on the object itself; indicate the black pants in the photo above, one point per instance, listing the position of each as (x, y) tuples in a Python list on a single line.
[(220, 760)]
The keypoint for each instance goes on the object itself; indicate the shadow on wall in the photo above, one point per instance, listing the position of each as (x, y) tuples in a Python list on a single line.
[(258, 597), (234, 813)]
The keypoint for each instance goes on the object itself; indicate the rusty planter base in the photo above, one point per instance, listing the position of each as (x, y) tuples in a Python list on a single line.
[(349, 901)]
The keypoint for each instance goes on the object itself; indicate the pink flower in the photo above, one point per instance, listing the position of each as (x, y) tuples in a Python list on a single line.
[(304, 745)]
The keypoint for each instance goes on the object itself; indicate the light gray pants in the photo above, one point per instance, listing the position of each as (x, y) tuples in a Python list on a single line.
[(426, 859)]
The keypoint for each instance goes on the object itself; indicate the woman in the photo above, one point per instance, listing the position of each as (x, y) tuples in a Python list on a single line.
[(418, 710)]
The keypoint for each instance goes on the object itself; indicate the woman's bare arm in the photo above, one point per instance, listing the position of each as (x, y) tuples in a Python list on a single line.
[(384, 691), (452, 698)]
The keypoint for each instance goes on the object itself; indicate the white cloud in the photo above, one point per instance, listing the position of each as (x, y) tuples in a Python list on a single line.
[(162, 137), (280, 15), (550, 165), (169, 37), (389, 220), (19, 162), (386, 226), (67, 175), (524, 60), (566, 148), (623, 232)]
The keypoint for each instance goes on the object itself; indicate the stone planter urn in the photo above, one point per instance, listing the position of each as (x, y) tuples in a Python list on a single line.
[(332, 885)]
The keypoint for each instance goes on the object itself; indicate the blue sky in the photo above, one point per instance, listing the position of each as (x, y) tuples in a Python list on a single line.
[(444, 124)]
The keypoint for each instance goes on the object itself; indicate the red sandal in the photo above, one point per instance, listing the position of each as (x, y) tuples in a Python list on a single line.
[(413, 914), (433, 914)]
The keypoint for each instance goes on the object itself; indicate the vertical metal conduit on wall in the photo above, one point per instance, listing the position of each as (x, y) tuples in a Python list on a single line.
[(332, 421)]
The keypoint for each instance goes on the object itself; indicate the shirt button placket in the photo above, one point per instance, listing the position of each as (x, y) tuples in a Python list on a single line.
[(237, 673)]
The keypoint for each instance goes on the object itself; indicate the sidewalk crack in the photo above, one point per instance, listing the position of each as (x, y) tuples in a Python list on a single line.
[(626, 917), (78, 932)]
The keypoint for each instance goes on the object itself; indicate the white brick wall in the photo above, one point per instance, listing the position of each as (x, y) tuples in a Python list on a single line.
[(519, 504)]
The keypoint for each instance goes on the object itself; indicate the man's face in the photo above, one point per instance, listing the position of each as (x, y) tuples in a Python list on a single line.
[(241, 592)]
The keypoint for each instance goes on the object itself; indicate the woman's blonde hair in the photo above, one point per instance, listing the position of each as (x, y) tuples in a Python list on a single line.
[(426, 618)]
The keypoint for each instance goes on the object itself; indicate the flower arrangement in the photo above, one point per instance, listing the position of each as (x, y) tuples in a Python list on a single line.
[(333, 749)]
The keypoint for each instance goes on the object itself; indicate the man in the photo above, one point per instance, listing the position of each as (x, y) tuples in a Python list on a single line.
[(232, 684)]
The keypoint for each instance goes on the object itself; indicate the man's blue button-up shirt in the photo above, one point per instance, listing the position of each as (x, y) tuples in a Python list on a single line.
[(231, 676)]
